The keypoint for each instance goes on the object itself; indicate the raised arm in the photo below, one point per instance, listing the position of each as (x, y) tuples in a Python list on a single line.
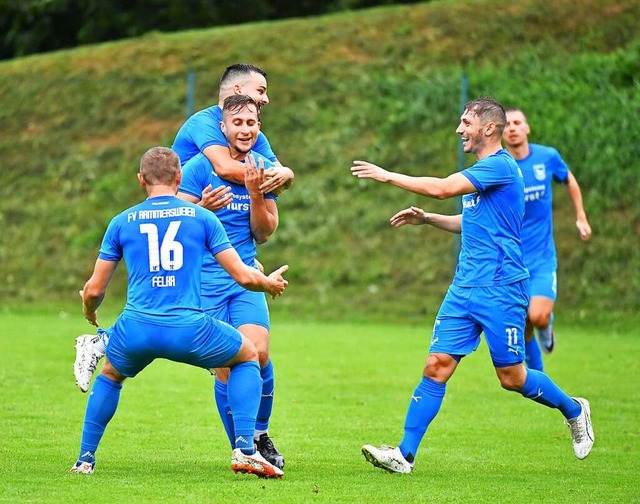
[(433, 187), (94, 290), (573, 189), (264, 211), (416, 216), (252, 278)]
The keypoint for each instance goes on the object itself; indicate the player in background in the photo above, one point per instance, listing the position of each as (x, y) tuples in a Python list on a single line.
[(249, 217), (489, 292), (201, 132), (540, 165), (163, 241)]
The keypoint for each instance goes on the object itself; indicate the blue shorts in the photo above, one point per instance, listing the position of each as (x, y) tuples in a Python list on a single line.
[(498, 311), (134, 344), (237, 306), (543, 282)]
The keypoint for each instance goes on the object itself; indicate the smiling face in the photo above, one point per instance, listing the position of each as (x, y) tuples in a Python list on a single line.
[(472, 132), (517, 129), (255, 86), (241, 127)]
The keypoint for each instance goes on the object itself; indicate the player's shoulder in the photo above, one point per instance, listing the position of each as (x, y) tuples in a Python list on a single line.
[(199, 161), (212, 114), (543, 151), (267, 162)]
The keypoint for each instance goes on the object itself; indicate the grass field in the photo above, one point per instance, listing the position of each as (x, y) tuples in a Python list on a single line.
[(338, 386)]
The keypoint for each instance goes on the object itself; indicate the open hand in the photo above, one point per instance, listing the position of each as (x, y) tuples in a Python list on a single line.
[(215, 199), (411, 215), (364, 169)]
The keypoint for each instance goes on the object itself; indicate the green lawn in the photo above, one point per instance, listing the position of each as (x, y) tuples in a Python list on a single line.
[(338, 386)]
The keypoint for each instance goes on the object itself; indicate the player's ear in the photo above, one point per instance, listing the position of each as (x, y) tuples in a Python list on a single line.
[(141, 180), (223, 128), (489, 128)]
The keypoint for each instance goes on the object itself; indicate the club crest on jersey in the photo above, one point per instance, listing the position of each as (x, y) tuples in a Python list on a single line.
[(539, 172)]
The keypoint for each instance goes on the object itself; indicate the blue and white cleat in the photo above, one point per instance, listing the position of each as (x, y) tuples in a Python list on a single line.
[(547, 339), (83, 467), (87, 358), (388, 458), (581, 430)]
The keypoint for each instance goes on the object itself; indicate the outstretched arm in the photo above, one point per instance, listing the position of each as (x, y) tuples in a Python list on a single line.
[(252, 278), (263, 217), (439, 188), (416, 216), (573, 189), (94, 290), (229, 169)]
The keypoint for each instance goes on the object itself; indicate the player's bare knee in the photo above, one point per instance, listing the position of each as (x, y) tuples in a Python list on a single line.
[(511, 378), (247, 352), (110, 372), (540, 318), (439, 367)]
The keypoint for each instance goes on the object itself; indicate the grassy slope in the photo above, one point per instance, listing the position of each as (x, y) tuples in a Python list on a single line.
[(380, 84), (166, 443)]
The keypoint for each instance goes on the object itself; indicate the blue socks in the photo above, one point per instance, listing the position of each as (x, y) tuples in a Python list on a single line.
[(533, 355), (539, 387), (101, 406), (424, 406), (244, 400), (264, 410), (224, 410), (266, 401)]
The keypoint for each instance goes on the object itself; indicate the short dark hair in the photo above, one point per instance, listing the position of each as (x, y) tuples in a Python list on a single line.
[(488, 109), (159, 166), (240, 70), (515, 109), (235, 103)]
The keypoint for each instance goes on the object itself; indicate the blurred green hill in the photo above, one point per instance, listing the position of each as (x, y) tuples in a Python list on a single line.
[(380, 84)]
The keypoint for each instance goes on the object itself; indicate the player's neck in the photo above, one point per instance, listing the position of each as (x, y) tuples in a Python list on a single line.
[(237, 156), (519, 151), (488, 149), (160, 190)]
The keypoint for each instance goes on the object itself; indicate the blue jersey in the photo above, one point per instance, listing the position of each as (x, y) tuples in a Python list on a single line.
[(491, 252), (539, 168), (197, 174), (202, 129), (163, 241)]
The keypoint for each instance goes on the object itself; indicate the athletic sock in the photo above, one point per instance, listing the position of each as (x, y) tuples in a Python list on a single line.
[(540, 388), (266, 400), (101, 406), (243, 391), (224, 410), (424, 406), (533, 355), (100, 346)]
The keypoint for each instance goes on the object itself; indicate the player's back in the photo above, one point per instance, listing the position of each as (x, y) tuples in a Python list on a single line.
[(163, 241)]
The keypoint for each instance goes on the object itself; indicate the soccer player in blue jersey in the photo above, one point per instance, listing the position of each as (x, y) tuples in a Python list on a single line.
[(540, 166), (163, 241), (249, 217), (201, 132), (489, 292)]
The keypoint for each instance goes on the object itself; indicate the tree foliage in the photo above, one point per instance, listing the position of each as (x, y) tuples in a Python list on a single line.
[(35, 26)]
